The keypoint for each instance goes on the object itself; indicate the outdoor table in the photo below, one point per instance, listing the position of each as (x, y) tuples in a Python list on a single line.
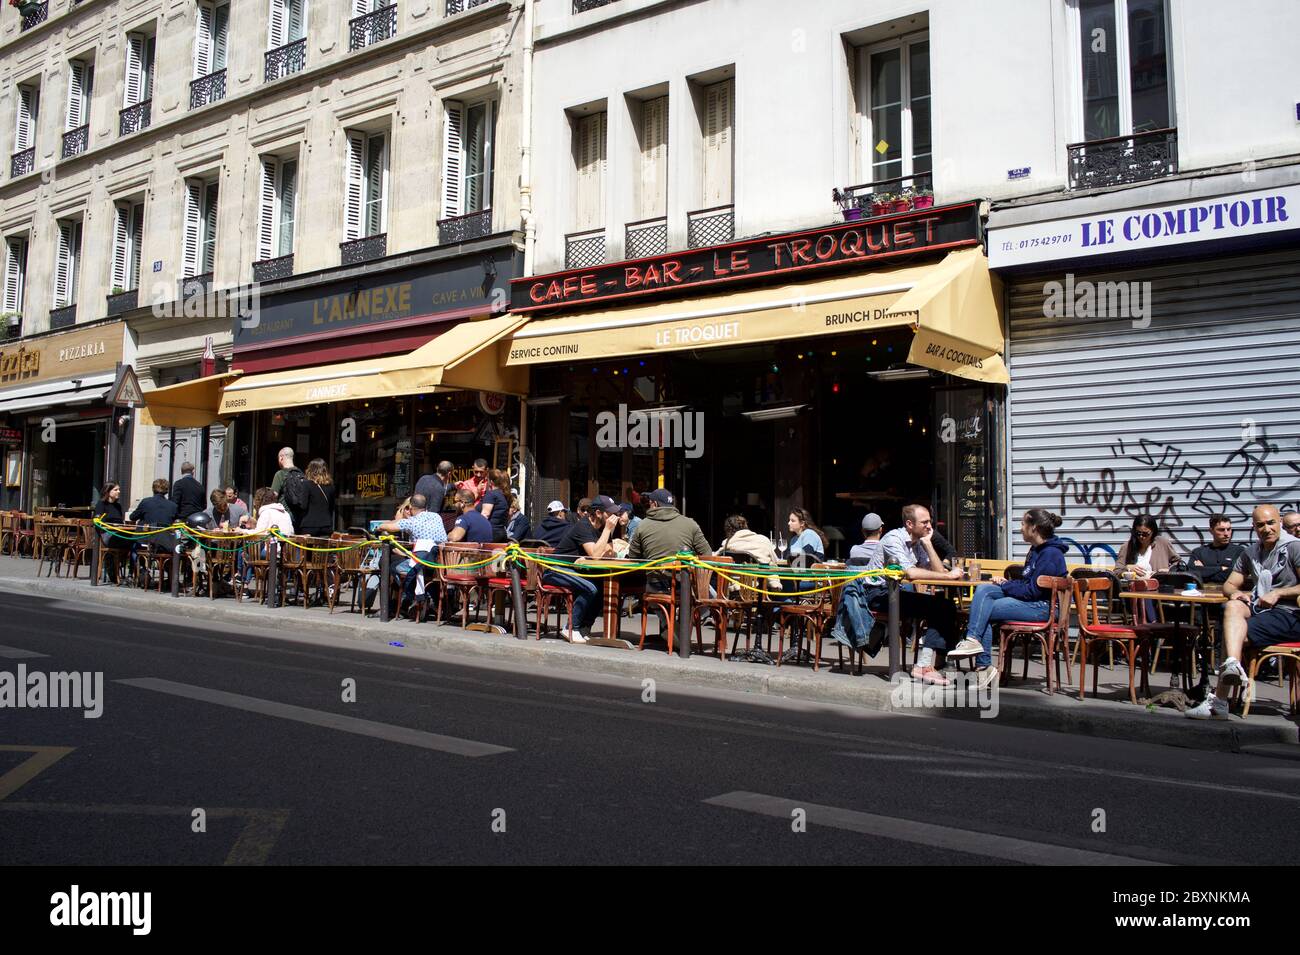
[(613, 593), (1204, 598)]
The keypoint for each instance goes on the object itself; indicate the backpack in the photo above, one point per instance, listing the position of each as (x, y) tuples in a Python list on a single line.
[(296, 492)]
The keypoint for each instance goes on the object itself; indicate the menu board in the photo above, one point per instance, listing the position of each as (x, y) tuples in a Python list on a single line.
[(970, 481), (402, 469)]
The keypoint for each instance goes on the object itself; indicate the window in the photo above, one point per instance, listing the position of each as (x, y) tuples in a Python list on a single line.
[(211, 40), (372, 21), (128, 234), (15, 275), (719, 135), (367, 185), (81, 81), (29, 97), (139, 69), (589, 158), (67, 266), (200, 239), (470, 133), (653, 136), (1119, 100), (288, 22), (896, 129), (277, 207)]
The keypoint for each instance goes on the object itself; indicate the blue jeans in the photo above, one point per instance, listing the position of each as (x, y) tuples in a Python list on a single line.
[(991, 606), (406, 571), (586, 597), (854, 619)]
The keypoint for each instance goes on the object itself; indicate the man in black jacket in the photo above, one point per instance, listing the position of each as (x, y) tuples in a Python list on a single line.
[(434, 486), (1213, 562), (554, 526), (187, 493), (156, 511)]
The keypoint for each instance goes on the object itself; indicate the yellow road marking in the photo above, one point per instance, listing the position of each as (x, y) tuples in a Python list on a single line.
[(42, 758)]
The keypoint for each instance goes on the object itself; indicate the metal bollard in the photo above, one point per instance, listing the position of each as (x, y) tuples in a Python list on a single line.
[(96, 557), (385, 582), (272, 573), (517, 598), (176, 570), (895, 645), (684, 612)]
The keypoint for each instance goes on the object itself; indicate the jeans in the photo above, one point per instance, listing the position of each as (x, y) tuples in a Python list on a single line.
[(853, 619), (939, 614), (990, 606), (586, 597), (407, 571)]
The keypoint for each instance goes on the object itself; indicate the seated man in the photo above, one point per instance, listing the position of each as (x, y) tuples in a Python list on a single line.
[(1266, 614), (589, 536), (1213, 562), (861, 554), (664, 532), (471, 526), (1291, 523), (426, 531), (554, 526)]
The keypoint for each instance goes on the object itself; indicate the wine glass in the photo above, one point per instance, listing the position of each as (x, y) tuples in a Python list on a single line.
[(780, 547)]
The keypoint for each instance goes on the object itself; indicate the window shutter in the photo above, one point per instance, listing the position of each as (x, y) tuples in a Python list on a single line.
[(26, 116), (453, 159), (137, 244), (718, 140), (203, 42), (121, 246), (360, 8), (266, 209), (14, 276), (376, 184), (591, 171), (288, 204), (134, 69), (193, 225), (146, 68), (297, 20), (63, 266), (210, 227), (220, 36), (276, 36), (654, 157), (355, 187), (76, 95)]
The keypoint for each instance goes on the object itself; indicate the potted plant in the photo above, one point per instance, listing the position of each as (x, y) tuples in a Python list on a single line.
[(25, 7), (117, 290), (924, 199), (882, 203), (902, 201), (850, 205)]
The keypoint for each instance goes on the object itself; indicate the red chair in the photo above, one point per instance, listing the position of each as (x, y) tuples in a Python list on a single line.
[(1092, 632), (1053, 633)]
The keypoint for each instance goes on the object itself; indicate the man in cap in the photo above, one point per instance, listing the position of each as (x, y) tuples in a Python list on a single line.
[(554, 526), (663, 532), (588, 536), (871, 527)]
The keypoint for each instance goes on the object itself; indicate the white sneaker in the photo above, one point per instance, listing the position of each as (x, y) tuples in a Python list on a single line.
[(574, 636), (967, 648), (1210, 708), (1231, 673), (988, 676)]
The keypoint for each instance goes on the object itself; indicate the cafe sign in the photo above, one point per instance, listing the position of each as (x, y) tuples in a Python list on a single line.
[(792, 255)]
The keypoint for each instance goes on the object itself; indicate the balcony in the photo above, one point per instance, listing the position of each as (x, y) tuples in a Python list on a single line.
[(36, 13), (372, 28), (286, 60), (195, 286), (135, 118), (119, 303), (208, 89), (885, 197), (268, 270), (1123, 159), (584, 250), (63, 317), (75, 142), (710, 226), (582, 6), (22, 162), (474, 225), (364, 250), (646, 237), (460, 6)]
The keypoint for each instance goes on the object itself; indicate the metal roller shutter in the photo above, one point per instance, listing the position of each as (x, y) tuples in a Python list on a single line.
[(1198, 413)]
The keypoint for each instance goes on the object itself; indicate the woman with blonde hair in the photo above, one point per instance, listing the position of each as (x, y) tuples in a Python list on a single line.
[(318, 520)]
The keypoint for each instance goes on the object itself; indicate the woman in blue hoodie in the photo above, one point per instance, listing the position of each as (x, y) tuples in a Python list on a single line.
[(1019, 600)]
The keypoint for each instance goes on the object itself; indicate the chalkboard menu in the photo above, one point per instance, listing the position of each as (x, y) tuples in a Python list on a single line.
[(402, 469), (970, 480)]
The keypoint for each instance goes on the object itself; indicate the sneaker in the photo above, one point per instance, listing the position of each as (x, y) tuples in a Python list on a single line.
[(987, 676), (1210, 708), (929, 675), (967, 648), (879, 634), (1231, 673), (574, 636)]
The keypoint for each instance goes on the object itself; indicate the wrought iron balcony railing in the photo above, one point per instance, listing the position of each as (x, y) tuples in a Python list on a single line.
[(208, 89), (583, 250), (1123, 159), (268, 270), (286, 60), (474, 225), (579, 6), (135, 118), (372, 28), (63, 317), (196, 286), (886, 196), (120, 303), (365, 249), (75, 141), (710, 226), (22, 162), (460, 6), (646, 237), (39, 14)]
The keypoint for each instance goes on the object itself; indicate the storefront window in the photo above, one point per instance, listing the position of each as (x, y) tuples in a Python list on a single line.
[(66, 472), (371, 479)]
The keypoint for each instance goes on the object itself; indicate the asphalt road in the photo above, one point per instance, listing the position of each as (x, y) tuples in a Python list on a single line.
[(436, 755)]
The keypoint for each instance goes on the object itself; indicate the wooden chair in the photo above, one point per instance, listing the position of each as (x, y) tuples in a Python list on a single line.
[(310, 563), (1092, 632), (256, 569), (549, 597), (467, 583), (81, 541), (716, 608), (813, 611), (1052, 634), (1288, 659), (351, 565), (25, 531), (752, 607), (665, 601), (52, 542), (9, 532), (219, 563)]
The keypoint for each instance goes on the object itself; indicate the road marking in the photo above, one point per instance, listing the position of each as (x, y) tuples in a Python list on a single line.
[(923, 833), (14, 653), (301, 714), (42, 758)]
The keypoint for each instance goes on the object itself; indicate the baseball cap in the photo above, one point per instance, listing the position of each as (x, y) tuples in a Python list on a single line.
[(872, 522), (602, 503), (625, 507), (555, 507), (660, 496)]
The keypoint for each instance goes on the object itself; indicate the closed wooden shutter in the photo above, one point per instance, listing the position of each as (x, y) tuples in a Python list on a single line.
[(15, 265), (220, 36), (288, 201), (277, 25), (297, 20), (718, 144), (63, 266), (76, 95), (355, 197), (591, 171), (121, 246), (266, 222), (376, 184), (26, 126), (654, 157), (134, 70), (210, 227), (203, 41), (453, 159), (193, 226), (137, 244)]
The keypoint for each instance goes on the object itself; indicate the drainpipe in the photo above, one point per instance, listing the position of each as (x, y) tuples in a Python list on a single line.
[(526, 145)]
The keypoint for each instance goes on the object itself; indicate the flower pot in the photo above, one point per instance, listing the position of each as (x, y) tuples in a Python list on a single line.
[(900, 205), (880, 208), (923, 202), (852, 214)]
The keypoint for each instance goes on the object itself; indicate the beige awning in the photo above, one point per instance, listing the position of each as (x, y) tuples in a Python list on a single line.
[(952, 305), (463, 357), (191, 404)]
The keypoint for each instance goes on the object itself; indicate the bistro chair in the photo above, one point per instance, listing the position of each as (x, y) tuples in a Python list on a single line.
[(219, 564), (550, 596), (1288, 660), (1093, 631), (1052, 634), (1161, 630), (355, 565), (466, 584), (9, 532), (52, 541), (25, 534), (813, 612), (80, 546), (311, 565), (717, 609), (256, 570), (666, 601), (500, 581)]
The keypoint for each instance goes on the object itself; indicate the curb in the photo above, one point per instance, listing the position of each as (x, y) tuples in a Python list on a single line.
[(1030, 709)]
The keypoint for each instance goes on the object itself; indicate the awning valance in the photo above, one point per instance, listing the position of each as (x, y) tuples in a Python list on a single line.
[(190, 404), (463, 357), (52, 394)]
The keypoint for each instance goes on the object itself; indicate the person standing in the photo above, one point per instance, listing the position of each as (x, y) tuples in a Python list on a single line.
[(434, 486), (477, 482), (493, 504), (290, 487), (318, 518), (187, 493)]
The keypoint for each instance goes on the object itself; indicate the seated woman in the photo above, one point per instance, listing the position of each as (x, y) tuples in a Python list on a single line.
[(739, 539), (1143, 555), (109, 507), (1022, 599), (807, 544)]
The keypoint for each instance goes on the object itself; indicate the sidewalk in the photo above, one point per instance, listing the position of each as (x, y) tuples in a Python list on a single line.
[(1266, 732)]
